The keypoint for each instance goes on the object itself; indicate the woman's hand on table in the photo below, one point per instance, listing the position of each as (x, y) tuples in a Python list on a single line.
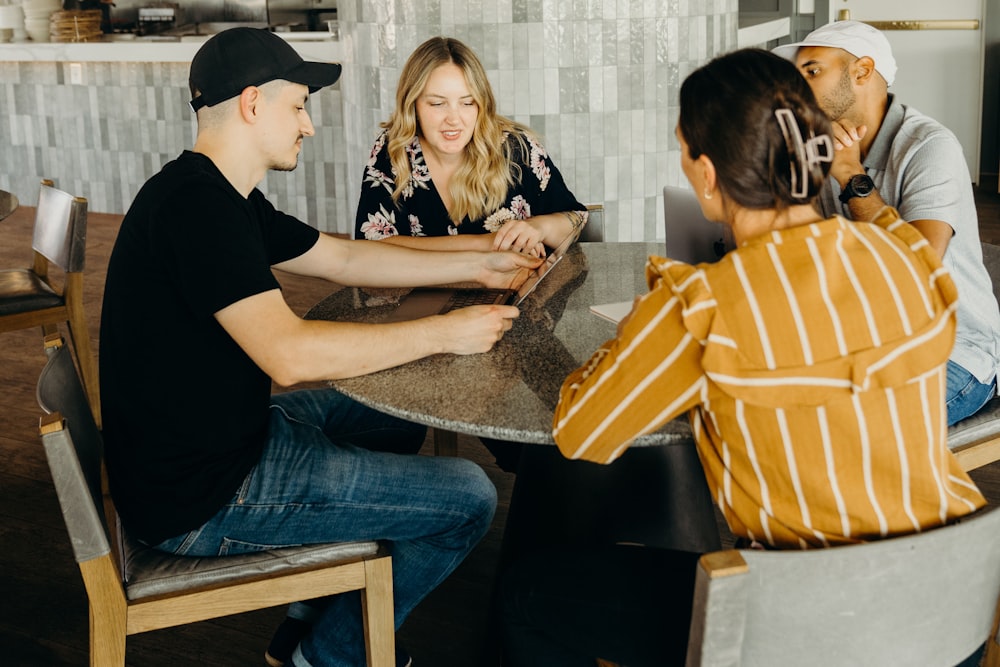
[(477, 328), (520, 236)]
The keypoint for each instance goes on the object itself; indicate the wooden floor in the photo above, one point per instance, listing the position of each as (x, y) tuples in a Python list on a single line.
[(43, 611)]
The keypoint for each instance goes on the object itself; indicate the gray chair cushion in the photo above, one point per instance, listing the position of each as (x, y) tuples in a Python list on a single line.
[(980, 426), (149, 572), (21, 291)]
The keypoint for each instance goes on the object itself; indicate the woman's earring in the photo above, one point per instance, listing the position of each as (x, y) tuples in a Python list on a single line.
[(707, 194)]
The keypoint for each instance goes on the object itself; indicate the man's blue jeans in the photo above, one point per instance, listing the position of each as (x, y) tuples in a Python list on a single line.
[(319, 481), (964, 394)]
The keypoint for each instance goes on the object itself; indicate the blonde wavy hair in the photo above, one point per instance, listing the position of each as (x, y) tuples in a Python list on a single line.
[(481, 182)]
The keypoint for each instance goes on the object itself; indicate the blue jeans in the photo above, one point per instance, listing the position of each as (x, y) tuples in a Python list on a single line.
[(318, 480), (964, 394)]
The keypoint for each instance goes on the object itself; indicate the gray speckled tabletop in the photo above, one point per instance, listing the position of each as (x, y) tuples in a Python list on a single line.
[(510, 392)]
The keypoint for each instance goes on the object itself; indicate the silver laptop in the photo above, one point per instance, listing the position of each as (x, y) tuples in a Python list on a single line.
[(689, 236), (427, 301)]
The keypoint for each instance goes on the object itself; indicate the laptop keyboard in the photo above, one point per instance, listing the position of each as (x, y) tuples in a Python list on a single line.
[(476, 297)]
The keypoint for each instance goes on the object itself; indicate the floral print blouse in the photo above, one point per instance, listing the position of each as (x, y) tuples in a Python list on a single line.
[(421, 211)]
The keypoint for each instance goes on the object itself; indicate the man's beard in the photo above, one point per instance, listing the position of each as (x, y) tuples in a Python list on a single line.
[(839, 101)]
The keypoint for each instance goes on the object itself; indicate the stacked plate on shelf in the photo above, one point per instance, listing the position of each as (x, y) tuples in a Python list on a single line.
[(76, 26), (11, 20), (36, 17)]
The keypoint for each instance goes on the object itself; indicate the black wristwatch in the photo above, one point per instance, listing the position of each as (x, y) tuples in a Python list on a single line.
[(859, 185)]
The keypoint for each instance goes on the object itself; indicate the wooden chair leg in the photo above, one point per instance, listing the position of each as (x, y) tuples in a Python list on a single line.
[(107, 645), (81, 345), (378, 613), (445, 443), (108, 613)]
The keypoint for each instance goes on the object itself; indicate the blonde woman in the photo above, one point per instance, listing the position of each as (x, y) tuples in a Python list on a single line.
[(447, 172)]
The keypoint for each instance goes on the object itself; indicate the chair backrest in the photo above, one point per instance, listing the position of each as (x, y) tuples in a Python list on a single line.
[(74, 454), (924, 599), (60, 228), (689, 236), (594, 229)]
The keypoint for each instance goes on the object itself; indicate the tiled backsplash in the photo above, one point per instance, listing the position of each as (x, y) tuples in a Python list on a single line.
[(597, 79), (104, 139)]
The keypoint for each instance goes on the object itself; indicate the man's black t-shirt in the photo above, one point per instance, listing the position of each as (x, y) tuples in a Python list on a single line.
[(184, 408)]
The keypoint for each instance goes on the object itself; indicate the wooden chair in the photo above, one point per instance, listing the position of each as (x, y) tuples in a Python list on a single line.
[(923, 599), (976, 440), (30, 298), (132, 588)]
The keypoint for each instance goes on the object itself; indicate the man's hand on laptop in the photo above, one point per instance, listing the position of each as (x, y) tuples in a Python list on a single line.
[(506, 269), (477, 328)]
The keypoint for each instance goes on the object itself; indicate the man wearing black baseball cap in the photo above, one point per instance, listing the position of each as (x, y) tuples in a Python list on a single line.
[(194, 330), (238, 58)]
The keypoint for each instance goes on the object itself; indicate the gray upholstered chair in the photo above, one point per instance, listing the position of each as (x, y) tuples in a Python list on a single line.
[(924, 599), (132, 588), (30, 298), (976, 440)]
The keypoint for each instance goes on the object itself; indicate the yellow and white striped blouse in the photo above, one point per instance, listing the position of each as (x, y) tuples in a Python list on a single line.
[(812, 362)]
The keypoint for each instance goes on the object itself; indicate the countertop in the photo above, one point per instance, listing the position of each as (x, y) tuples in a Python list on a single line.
[(311, 45)]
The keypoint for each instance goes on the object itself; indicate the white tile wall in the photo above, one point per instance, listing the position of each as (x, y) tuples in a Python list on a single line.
[(103, 140), (598, 79)]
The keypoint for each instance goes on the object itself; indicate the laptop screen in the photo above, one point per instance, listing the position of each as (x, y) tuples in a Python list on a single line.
[(689, 236)]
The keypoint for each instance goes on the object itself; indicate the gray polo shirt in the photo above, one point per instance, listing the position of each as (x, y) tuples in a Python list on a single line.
[(919, 169)]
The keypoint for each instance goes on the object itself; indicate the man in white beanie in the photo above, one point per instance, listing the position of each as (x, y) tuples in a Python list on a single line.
[(889, 154)]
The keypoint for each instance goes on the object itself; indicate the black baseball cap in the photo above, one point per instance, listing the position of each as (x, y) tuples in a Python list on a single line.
[(240, 57)]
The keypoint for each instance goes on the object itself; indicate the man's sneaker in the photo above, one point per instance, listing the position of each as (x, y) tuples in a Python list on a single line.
[(285, 639), (292, 631), (403, 658)]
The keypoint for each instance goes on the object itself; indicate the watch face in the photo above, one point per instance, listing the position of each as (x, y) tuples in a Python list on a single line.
[(861, 185)]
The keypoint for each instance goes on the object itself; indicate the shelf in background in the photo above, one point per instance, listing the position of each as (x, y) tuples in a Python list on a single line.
[(759, 28)]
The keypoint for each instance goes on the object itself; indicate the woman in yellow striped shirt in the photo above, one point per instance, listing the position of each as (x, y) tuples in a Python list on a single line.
[(810, 359)]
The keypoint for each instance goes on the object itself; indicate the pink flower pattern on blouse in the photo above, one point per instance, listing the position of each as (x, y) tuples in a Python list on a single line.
[(380, 225)]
